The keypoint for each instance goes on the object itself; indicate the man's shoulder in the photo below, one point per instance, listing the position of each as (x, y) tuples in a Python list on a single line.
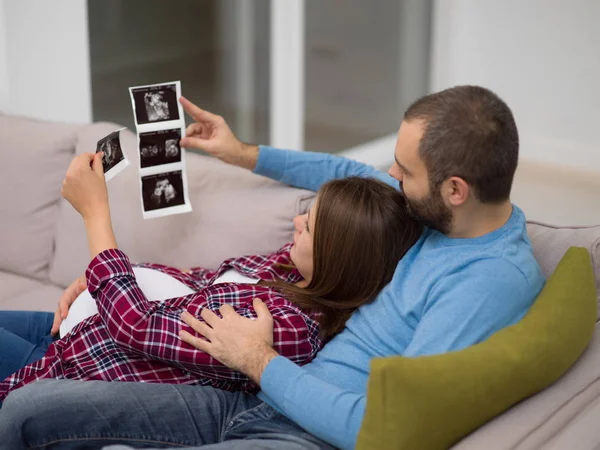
[(495, 270)]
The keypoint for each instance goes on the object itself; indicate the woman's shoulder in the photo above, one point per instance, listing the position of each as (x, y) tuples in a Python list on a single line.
[(275, 266)]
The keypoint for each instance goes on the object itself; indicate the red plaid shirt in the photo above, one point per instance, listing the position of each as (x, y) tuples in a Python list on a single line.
[(134, 339)]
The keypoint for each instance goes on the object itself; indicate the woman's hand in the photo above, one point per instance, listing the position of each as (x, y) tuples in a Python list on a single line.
[(212, 134), (84, 186), (65, 302)]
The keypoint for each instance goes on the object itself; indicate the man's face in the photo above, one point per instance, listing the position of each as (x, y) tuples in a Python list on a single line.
[(425, 205)]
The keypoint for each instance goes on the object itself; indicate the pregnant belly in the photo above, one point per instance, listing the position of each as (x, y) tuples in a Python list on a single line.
[(154, 284)]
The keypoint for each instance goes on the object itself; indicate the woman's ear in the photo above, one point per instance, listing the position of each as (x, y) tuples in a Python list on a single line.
[(455, 191)]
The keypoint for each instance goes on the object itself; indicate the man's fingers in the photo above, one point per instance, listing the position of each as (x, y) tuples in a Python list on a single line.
[(194, 341), (210, 317), (262, 311), (191, 142), (198, 326), (195, 128), (227, 310), (195, 112)]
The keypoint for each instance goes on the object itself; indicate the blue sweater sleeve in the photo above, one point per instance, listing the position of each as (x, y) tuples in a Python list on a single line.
[(327, 411), (308, 170)]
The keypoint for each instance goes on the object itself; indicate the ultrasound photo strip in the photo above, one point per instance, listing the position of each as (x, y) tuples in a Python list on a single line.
[(160, 125), (164, 194), (160, 147), (114, 160), (156, 103)]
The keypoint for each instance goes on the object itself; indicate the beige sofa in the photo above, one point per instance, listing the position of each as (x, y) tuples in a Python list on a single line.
[(43, 248)]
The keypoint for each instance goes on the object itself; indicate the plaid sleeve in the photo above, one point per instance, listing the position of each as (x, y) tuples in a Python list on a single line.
[(134, 322), (152, 328)]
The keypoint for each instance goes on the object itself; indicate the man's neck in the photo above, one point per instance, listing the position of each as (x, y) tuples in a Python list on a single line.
[(480, 220)]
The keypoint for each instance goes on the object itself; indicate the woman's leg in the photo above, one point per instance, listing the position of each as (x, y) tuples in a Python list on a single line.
[(69, 414), (24, 338), (33, 326)]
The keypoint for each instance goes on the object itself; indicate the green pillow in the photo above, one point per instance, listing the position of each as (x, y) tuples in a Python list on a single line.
[(431, 402)]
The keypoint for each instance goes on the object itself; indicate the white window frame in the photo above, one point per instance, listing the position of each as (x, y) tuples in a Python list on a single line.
[(287, 116), (287, 95)]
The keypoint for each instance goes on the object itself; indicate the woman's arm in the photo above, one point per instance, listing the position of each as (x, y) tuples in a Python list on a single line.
[(152, 328), (84, 187)]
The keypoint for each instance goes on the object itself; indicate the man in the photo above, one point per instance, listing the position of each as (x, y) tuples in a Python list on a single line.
[(471, 273)]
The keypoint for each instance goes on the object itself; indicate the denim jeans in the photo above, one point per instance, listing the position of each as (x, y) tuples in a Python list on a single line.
[(24, 338), (66, 414)]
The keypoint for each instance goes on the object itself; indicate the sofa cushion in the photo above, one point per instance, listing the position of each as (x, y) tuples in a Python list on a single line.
[(34, 157), (550, 243), (23, 293), (234, 213), (430, 402)]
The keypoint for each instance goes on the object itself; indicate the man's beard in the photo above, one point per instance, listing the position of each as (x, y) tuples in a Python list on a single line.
[(431, 212)]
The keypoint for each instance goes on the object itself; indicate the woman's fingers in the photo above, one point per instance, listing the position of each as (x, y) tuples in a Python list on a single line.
[(97, 164), (70, 295), (56, 323)]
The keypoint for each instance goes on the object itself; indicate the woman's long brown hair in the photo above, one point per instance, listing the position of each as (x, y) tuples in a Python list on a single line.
[(361, 231)]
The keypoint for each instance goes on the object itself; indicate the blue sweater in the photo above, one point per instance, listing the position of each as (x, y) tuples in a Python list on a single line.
[(446, 294)]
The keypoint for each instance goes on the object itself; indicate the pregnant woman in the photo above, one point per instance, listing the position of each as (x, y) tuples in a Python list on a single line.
[(344, 251)]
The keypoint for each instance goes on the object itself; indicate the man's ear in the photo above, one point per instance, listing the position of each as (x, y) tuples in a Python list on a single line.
[(455, 191)]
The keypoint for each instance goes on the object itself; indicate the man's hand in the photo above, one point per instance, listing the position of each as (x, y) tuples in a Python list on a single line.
[(241, 344), (212, 134), (65, 302), (84, 186)]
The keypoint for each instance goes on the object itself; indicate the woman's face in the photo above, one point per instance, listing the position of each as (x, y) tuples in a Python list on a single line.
[(302, 250)]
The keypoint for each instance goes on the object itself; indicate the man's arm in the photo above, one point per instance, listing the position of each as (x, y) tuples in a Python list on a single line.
[(307, 170), (323, 409), (310, 170)]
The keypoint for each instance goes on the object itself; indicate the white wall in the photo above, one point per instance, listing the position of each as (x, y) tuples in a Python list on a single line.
[(541, 56), (4, 99), (44, 72)]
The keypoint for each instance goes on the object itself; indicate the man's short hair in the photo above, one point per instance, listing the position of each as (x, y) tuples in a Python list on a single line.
[(469, 133)]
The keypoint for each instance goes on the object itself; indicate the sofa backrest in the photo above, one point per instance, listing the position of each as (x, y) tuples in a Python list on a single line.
[(235, 212), (34, 157), (550, 244)]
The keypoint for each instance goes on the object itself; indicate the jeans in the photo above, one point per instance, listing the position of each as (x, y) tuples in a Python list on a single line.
[(24, 338), (67, 414)]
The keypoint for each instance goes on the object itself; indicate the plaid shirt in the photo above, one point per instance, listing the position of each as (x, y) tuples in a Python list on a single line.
[(134, 339)]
